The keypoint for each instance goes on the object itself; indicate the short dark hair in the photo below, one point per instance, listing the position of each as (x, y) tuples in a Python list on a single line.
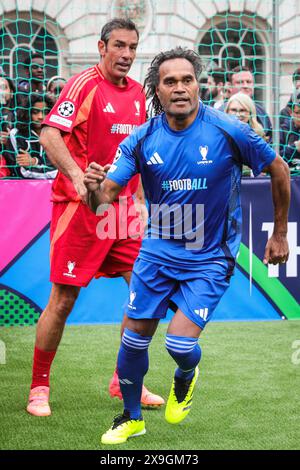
[(218, 74), (30, 57), (24, 111), (294, 100), (296, 75), (238, 69), (152, 78), (117, 23)]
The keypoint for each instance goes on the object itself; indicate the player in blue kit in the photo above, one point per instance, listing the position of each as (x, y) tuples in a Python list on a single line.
[(190, 158)]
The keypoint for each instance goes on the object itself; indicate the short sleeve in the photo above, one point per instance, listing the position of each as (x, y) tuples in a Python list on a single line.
[(64, 112), (254, 151), (124, 165)]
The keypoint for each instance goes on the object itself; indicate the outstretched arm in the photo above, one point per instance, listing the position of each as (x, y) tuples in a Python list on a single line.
[(100, 190), (277, 249)]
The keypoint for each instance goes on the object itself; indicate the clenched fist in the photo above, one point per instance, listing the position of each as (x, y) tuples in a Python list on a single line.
[(94, 175)]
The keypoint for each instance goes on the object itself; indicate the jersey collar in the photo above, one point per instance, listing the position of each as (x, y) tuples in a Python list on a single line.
[(187, 129)]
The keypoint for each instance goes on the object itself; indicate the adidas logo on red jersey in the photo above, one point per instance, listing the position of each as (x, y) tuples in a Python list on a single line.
[(109, 109)]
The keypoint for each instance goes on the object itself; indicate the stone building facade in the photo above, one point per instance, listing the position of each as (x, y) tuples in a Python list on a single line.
[(225, 32)]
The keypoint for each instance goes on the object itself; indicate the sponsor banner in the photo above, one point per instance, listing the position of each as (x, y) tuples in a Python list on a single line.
[(280, 283), (256, 292), (25, 210)]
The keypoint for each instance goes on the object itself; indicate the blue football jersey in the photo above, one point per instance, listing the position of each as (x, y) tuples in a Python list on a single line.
[(192, 180)]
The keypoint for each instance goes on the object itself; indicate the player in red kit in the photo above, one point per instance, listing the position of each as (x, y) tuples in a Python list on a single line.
[(96, 110)]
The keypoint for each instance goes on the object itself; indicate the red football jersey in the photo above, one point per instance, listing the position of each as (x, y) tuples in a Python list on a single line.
[(95, 116)]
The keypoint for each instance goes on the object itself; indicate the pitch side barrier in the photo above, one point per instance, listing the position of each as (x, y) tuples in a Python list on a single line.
[(256, 292)]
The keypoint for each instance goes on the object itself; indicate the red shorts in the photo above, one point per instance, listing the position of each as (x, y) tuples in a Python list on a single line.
[(78, 249)]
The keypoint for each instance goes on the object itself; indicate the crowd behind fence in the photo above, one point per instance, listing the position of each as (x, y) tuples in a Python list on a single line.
[(24, 102)]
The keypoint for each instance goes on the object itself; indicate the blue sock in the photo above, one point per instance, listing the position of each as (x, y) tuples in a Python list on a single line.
[(186, 352), (132, 366)]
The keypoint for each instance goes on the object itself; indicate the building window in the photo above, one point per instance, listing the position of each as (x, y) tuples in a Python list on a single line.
[(232, 42), (18, 38)]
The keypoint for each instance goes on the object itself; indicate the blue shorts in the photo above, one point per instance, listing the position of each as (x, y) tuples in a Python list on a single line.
[(196, 293)]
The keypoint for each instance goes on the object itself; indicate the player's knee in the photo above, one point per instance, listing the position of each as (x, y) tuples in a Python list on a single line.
[(64, 307), (184, 350), (141, 327), (62, 301)]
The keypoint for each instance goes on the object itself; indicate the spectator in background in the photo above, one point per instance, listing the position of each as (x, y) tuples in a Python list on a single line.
[(55, 86), (216, 82), (296, 79), (4, 170), (24, 152), (7, 108), (7, 118), (286, 112), (203, 89), (242, 80), (227, 91), (243, 107), (34, 68), (290, 136)]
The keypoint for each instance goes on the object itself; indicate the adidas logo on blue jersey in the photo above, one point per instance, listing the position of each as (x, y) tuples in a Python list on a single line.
[(155, 160)]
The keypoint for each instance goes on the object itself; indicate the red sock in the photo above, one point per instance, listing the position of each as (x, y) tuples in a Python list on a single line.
[(42, 361)]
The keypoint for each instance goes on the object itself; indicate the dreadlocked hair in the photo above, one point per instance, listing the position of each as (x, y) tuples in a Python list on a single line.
[(152, 78)]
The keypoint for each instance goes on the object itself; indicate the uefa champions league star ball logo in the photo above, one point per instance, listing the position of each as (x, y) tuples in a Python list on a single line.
[(118, 155), (66, 109)]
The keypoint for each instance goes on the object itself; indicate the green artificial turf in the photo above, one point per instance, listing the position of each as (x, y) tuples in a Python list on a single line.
[(247, 396)]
